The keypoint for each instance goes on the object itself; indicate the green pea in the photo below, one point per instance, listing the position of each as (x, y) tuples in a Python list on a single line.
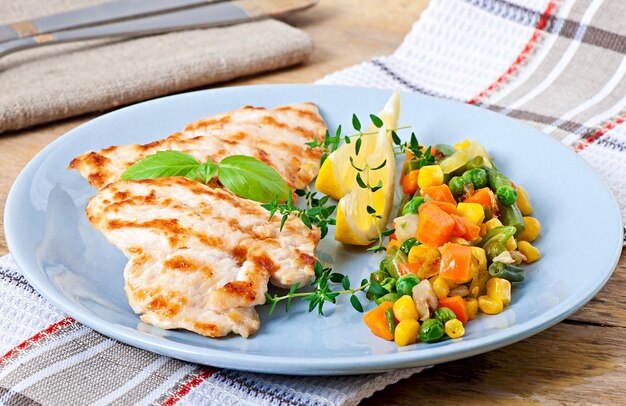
[(378, 276), (506, 271), (444, 314), (405, 285), (413, 205), (506, 194), (408, 244), (405, 199), (389, 297), (456, 186), (478, 177), (431, 330)]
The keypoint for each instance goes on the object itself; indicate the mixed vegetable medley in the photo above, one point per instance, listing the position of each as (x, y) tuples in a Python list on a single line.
[(462, 230)]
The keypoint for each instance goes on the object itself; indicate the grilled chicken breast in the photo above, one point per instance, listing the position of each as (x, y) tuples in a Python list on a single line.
[(274, 136), (199, 257)]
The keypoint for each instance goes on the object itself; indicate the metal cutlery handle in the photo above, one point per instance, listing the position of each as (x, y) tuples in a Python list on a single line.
[(212, 15), (98, 14)]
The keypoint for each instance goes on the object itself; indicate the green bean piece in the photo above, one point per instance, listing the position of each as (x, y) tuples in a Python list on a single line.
[(411, 165), (408, 244), (431, 331), (444, 314), (496, 179), (475, 163), (509, 272), (413, 205), (494, 249), (391, 261), (506, 194), (403, 202), (493, 242), (378, 276), (511, 216), (500, 234), (478, 177), (404, 285), (389, 297), (389, 284), (445, 149), (391, 320), (455, 162)]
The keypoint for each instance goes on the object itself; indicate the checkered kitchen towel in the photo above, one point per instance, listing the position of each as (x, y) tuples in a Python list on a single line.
[(557, 65)]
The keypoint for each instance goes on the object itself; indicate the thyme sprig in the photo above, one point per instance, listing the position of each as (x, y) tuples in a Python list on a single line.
[(332, 142), (421, 156), (324, 281)]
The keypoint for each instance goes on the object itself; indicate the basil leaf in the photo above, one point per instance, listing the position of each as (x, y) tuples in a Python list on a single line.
[(250, 178), (163, 164), (207, 170)]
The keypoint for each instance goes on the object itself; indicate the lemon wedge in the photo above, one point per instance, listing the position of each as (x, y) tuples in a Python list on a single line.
[(355, 225), (337, 177)]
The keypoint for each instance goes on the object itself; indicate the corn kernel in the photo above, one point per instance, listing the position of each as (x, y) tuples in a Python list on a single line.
[(454, 328), (441, 287), (406, 332), (478, 254), (489, 305), (523, 203), (531, 253), (532, 228), (510, 244), (499, 288), (404, 309), (430, 175), (472, 307), (462, 145), (472, 212), (428, 258), (493, 223)]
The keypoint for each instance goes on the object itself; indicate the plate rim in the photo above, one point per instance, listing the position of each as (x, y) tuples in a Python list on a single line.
[(288, 364)]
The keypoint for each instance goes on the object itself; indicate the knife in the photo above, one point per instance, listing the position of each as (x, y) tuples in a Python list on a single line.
[(211, 15), (98, 14)]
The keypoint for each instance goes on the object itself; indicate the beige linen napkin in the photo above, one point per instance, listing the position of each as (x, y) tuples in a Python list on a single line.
[(59, 81)]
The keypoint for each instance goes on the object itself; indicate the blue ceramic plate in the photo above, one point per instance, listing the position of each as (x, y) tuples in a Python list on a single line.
[(73, 266)]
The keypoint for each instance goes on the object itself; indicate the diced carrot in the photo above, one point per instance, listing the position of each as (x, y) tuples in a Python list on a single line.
[(391, 244), (459, 226), (457, 305), (456, 261), (434, 227), (445, 206), (377, 322), (433, 150), (440, 193), (405, 268), (409, 182), (483, 196), (473, 230), (393, 236)]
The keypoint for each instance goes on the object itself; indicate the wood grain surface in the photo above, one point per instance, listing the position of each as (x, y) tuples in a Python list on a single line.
[(579, 361)]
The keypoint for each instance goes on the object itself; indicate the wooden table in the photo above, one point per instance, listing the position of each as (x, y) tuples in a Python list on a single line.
[(581, 360)]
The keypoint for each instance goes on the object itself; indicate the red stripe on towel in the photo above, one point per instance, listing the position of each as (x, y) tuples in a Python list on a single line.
[(541, 24), (585, 142), (40, 335), (184, 390)]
